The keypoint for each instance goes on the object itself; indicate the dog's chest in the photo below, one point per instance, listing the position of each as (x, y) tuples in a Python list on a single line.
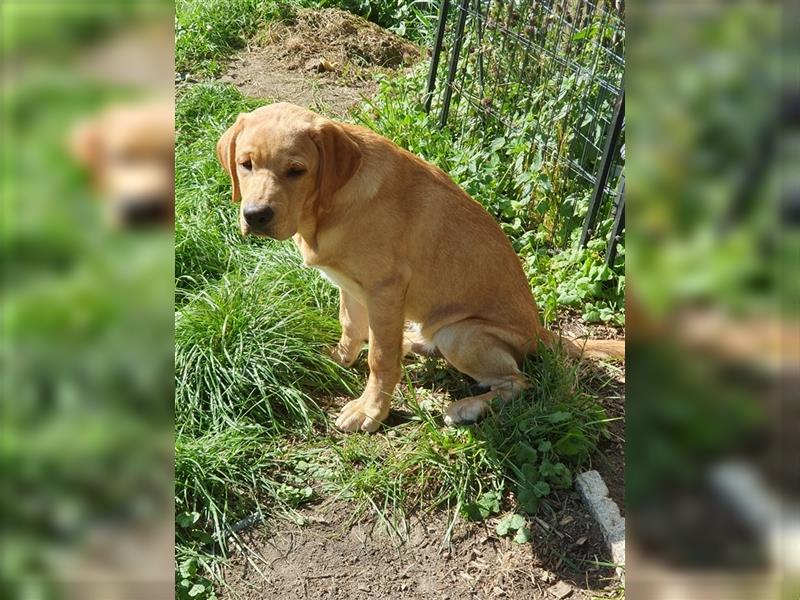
[(336, 277), (342, 281)]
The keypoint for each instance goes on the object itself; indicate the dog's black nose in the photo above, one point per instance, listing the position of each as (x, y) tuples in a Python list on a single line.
[(257, 218), (142, 211)]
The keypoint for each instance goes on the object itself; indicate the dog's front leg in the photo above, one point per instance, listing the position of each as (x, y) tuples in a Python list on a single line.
[(355, 329), (385, 313)]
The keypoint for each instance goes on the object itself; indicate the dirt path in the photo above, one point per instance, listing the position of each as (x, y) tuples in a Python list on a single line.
[(326, 60), (333, 558)]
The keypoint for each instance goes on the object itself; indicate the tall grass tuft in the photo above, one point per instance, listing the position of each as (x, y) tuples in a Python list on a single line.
[(253, 345), (526, 448)]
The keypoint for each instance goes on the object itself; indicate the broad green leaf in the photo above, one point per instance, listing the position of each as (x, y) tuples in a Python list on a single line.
[(571, 444), (510, 523), (541, 489), (528, 500), (523, 535)]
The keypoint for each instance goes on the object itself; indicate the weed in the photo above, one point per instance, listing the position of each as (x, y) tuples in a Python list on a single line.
[(514, 523)]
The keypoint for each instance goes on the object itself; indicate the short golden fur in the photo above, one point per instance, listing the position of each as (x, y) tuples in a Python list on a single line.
[(420, 265)]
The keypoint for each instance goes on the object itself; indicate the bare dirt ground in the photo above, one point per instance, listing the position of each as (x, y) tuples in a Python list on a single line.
[(334, 557), (321, 59), (570, 324)]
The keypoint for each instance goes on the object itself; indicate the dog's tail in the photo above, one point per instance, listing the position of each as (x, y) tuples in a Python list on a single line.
[(585, 348)]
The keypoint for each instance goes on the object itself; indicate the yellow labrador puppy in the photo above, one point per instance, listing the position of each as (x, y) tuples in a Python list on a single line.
[(129, 150), (403, 243)]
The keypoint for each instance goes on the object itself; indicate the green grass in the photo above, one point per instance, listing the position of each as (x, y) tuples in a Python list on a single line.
[(207, 32), (523, 448), (253, 345)]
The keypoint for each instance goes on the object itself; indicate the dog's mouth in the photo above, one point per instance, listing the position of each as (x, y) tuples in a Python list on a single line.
[(268, 232), (246, 230)]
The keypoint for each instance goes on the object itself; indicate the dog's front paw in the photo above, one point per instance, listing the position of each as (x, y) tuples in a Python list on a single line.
[(362, 415), (344, 355)]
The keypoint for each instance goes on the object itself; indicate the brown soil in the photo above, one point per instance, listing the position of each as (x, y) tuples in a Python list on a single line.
[(569, 323), (333, 557), (321, 59)]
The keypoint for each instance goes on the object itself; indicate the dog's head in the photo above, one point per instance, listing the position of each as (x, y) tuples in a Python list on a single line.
[(285, 163), (129, 150)]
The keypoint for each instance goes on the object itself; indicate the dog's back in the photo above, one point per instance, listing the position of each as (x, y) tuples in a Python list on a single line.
[(462, 265)]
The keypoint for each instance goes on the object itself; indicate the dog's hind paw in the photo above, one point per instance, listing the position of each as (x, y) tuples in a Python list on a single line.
[(469, 410)]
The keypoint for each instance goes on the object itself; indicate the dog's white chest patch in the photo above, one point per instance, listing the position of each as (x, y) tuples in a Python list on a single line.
[(342, 282)]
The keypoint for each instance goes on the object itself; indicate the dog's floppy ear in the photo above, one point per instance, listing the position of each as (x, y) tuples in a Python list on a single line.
[(226, 153), (339, 159), (86, 147), (84, 143)]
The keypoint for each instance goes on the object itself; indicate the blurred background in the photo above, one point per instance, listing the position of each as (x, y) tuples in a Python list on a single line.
[(712, 304), (87, 299)]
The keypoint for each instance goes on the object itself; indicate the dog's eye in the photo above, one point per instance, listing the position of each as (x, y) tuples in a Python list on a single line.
[(247, 165), (295, 171)]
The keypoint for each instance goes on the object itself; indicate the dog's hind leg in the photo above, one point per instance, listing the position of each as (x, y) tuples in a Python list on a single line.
[(414, 343), (489, 355)]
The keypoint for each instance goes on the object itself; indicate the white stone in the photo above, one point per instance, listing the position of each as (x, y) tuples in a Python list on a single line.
[(605, 511)]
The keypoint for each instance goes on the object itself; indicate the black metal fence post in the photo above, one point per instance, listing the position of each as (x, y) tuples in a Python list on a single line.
[(612, 137), (619, 223), (437, 52), (479, 34), (458, 40)]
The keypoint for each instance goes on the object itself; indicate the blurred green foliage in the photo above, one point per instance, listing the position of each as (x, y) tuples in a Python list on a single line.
[(697, 129), (87, 320)]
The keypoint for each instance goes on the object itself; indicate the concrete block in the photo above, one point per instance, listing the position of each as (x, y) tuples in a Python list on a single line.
[(605, 511)]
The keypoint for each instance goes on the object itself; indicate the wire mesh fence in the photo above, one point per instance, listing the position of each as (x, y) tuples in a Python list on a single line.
[(549, 74)]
